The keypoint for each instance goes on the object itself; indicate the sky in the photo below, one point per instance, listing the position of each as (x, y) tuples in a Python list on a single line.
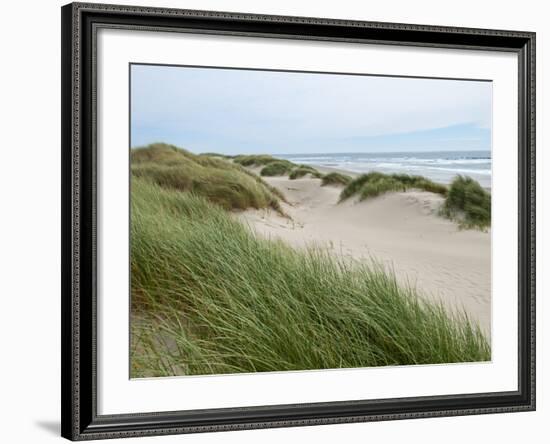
[(234, 111)]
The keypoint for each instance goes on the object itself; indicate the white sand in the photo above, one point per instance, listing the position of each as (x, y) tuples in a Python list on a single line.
[(401, 229)]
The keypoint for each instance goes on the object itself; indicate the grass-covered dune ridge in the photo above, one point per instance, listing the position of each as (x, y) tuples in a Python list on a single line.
[(465, 199), (276, 168), (208, 296), (272, 166), (254, 160), (218, 180), (336, 179), (373, 184), (304, 170)]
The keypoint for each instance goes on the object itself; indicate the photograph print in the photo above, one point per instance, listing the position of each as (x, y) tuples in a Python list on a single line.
[(292, 221)]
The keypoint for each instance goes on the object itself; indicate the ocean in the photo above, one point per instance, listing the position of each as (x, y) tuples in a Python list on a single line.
[(439, 166)]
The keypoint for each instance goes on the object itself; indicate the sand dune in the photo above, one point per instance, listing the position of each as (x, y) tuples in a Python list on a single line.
[(401, 229)]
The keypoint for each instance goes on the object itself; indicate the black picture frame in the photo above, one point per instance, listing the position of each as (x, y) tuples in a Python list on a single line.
[(80, 420)]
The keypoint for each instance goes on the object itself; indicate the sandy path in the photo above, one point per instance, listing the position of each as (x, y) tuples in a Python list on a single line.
[(400, 229)]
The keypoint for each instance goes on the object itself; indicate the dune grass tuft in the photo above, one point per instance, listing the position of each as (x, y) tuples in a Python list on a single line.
[(303, 170), (469, 203), (373, 184), (208, 296), (276, 168), (336, 179), (216, 179)]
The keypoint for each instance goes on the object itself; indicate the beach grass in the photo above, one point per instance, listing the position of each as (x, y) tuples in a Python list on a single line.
[(216, 179), (336, 179), (304, 170), (468, 203), (210, 297), (272, 166), (374, 184), (277, 168)]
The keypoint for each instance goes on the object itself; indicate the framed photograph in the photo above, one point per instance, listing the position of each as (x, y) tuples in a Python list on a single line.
[(278, 221)]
